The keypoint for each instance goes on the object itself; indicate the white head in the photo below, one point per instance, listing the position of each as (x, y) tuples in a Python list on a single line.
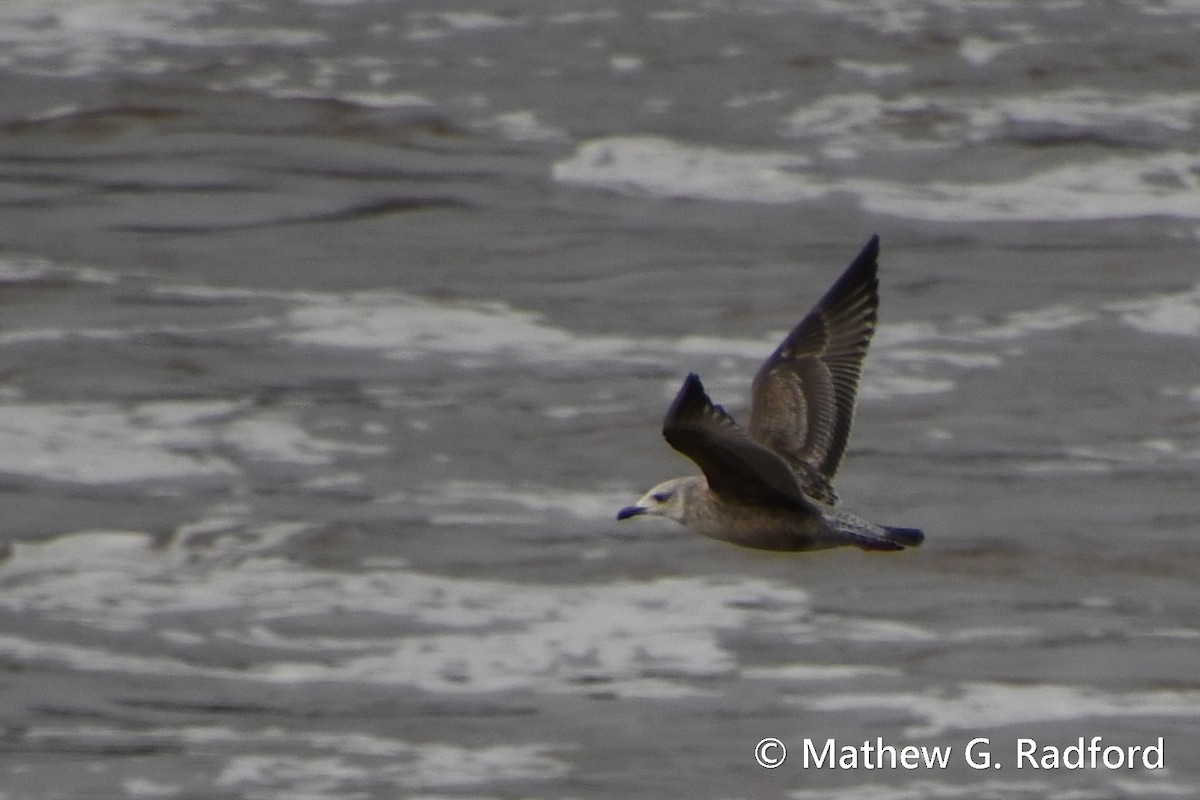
[(665, 500)]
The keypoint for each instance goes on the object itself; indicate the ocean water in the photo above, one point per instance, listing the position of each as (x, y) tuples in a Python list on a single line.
[(333, 334)]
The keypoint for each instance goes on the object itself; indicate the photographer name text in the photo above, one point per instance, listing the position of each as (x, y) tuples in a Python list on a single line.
[(1085, 752)]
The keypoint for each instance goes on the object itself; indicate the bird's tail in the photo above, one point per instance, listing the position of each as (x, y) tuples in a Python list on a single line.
[(891, 538), (905, 537)]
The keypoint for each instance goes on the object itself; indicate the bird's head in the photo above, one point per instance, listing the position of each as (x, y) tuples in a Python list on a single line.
[(664, 500)]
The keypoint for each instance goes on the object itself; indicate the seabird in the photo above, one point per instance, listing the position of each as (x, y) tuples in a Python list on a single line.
[(770, 485)]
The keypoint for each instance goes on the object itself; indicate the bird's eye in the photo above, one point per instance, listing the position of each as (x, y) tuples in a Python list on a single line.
[(662, 497)]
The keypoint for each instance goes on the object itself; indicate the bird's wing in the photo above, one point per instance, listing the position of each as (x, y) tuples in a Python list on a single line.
[(803, 395), (737, 468)]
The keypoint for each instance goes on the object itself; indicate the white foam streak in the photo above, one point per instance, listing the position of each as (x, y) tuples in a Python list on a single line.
[(318, 763), (663, 168), (99, 443), (1175, 314), (907, 357), (619, 637), (644, 638), (994, 705), (27, 270), (425, 766), (427, 26), (106, 443), (1083, 111), (993, 789), (1114, 188), (407, 327), (1117, 187), (935, 790), (84, 36), (524, 126)]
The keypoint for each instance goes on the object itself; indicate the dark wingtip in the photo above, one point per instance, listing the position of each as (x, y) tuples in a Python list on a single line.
[(690, 399), (862, 272), (868, 256)]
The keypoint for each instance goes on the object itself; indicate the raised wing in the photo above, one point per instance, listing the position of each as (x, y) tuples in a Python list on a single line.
[(737, 468), (803, 395)]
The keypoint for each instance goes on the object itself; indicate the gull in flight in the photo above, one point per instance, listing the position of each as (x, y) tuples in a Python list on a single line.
[(770, 485)]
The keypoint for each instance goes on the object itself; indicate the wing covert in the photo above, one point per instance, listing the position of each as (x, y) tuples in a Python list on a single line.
[(736, 467), (804, 394)]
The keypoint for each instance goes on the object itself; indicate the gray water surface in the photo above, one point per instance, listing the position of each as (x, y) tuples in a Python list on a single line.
[(335, 333)]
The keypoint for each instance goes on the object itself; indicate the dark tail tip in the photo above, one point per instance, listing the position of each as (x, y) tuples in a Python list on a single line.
[(905, 537)]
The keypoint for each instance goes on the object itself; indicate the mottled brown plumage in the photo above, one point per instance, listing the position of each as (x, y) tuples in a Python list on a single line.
[(803, 395), (770, 485)]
